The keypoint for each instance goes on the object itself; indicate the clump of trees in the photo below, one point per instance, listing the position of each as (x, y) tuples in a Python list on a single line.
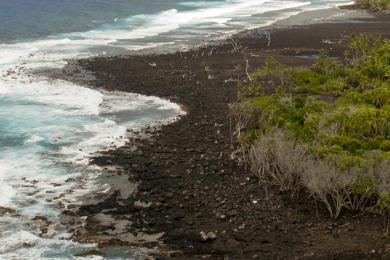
[(324, 130), (380, 5)]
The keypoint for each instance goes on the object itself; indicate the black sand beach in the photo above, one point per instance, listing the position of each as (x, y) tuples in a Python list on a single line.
[(192, 190)]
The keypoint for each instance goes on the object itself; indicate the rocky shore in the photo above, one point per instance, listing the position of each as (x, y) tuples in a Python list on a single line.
[(195, 197)]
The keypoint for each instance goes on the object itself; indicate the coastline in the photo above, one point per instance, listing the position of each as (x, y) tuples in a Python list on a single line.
[(188, 182)]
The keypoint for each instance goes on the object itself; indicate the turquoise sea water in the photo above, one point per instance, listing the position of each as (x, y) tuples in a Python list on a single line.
[(50, 128)]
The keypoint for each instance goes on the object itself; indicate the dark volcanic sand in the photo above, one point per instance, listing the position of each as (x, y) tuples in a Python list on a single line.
[(186, 172)]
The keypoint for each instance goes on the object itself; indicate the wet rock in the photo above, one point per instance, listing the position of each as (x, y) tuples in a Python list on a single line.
[(43, 230), (27, 243), (4, 210), (90, 253), (70, 179), (108, 161), (42, 218), (70, 213)]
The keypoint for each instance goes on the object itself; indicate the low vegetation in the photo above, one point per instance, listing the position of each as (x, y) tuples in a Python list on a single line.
[(324, 130), (380, 5)]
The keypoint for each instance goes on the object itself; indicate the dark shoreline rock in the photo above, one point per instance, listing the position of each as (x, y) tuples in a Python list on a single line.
[(201, 199)]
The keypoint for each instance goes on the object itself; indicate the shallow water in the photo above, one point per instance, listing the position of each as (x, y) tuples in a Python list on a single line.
[(50, 128)]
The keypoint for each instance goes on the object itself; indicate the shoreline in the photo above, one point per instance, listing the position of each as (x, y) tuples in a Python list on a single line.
[(188, 183)]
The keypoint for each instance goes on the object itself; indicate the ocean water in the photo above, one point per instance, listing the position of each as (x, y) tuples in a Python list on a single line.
[(50, 128)]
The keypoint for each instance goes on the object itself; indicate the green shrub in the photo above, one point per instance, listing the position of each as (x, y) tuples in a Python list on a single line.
[(375, 4)]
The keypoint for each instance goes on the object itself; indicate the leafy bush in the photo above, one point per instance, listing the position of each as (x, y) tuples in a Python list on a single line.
[(324, 129), (375, 4)]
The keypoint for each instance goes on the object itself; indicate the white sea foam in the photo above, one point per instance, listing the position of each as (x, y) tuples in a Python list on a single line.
[(56, 92), (7, 192), (34, 139), (114, 102), (25, 245), (172, 19)]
